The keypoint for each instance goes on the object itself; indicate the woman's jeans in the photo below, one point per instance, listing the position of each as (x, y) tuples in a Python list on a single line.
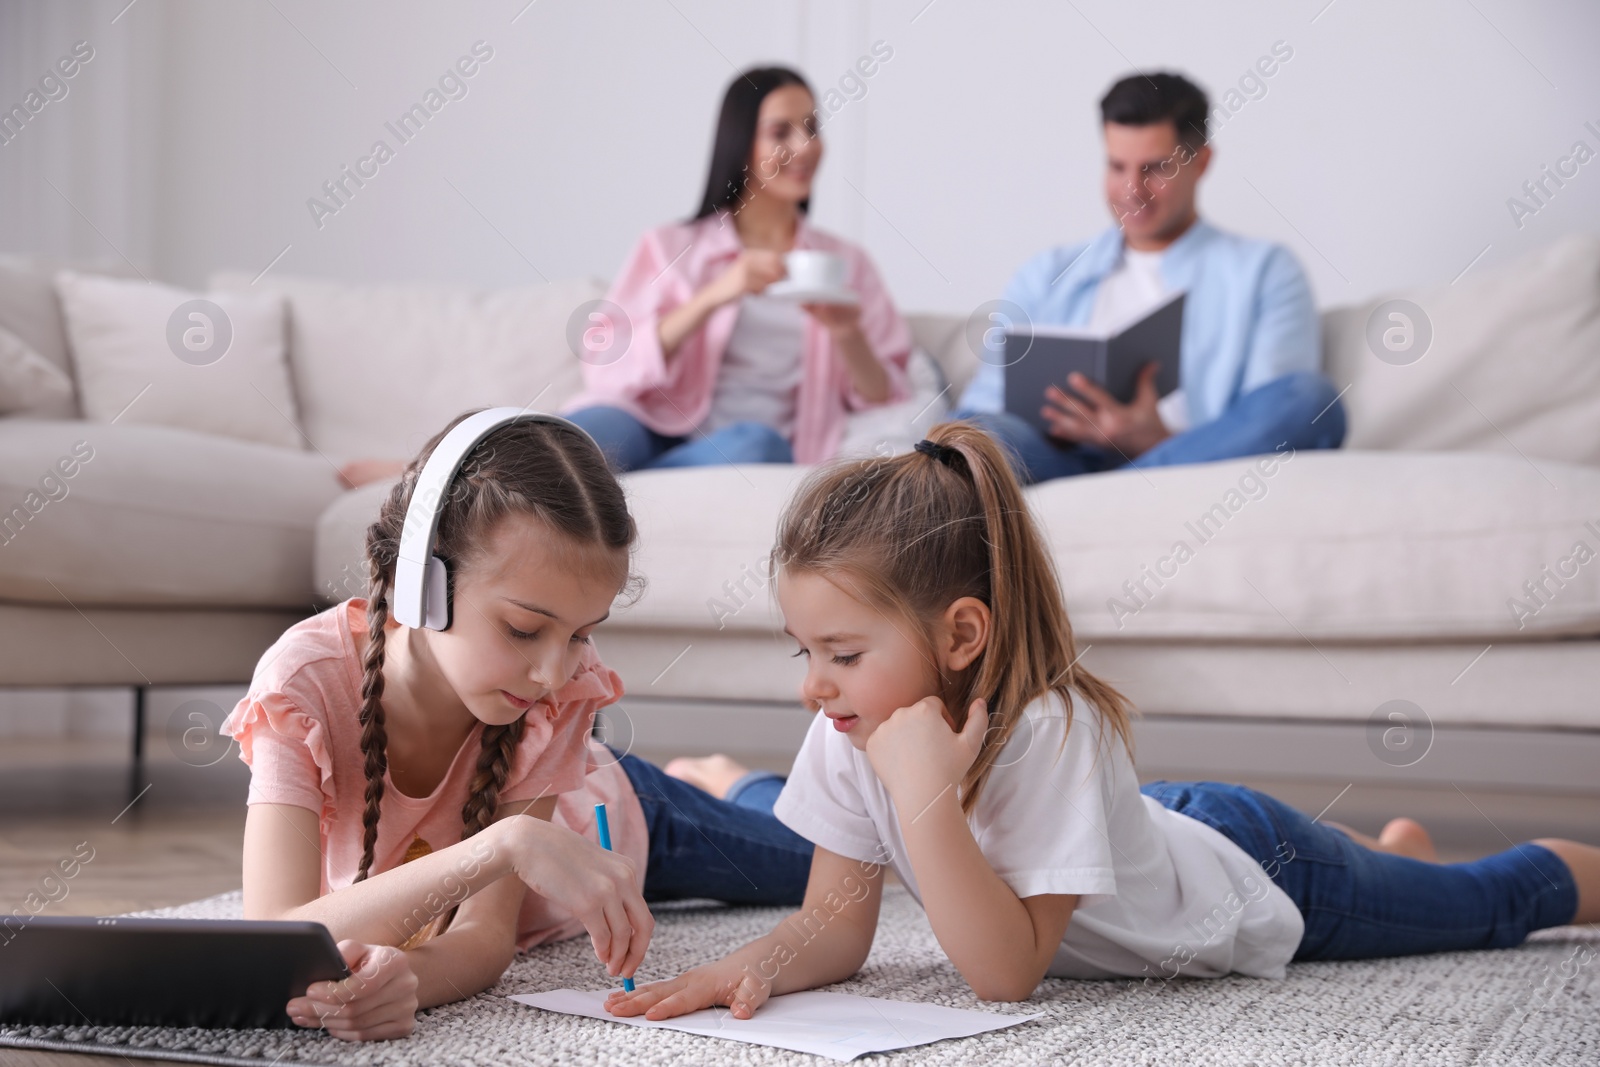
[(704, 848), (1299, 410), (1359, 903), (630, 445)]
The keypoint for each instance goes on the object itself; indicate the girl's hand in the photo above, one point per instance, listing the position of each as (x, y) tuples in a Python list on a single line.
[(598, 887), (378, 1001), (723, 982), (752, 272), (918, 755), (840, 320)]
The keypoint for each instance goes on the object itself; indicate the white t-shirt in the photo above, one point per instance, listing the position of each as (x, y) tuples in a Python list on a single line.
[(1162, 894), (1124, 295), (759, 379)]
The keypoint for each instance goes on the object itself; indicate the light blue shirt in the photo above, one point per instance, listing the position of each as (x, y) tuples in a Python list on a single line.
[(1248, 317)]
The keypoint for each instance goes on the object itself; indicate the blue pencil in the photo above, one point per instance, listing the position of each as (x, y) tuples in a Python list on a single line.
[(603, 825)]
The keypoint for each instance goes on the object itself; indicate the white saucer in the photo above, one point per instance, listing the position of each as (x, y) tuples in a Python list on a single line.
[(801, 294)]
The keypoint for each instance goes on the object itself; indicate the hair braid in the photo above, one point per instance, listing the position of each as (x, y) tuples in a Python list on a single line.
[(374, 738), (494, 763)]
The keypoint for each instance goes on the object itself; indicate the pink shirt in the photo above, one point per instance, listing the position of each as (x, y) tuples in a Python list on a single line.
[(299, 730), (673, 396)]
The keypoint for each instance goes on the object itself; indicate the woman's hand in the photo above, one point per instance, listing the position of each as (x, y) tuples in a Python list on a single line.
[(725, 982), (598, 887), (840, 320), (918, 754), (843, 323), (378, 1001), (752, 272)]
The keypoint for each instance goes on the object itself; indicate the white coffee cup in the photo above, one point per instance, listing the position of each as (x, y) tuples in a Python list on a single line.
[(810, 269)]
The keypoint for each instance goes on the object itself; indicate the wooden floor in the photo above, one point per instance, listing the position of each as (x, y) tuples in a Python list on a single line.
[(180, 840), (174, 834)]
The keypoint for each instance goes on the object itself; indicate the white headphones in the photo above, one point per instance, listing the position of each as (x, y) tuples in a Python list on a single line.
[(421, 594)]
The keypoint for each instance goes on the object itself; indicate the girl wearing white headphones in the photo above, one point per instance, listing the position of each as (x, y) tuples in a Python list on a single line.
[(423, 777)]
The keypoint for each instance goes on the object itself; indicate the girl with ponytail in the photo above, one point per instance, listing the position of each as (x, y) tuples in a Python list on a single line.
[(428, 795), (961, 742)]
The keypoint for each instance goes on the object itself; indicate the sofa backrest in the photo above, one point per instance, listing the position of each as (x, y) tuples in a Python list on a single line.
[(1513, 363), (378, 369)]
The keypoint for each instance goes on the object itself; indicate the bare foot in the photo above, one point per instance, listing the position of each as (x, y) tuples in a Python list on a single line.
[(359, 472), (715, 774), (1400, 837), (1407, 837)]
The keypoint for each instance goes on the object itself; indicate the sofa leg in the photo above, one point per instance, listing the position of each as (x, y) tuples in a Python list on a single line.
[(136, 768)]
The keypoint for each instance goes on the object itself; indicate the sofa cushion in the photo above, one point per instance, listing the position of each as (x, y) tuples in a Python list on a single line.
[(152, 516), (29, 310), (891, 428), (944, 338), (338, 568), (379, 369), (152, 354), (1511, 365), (704, 534), (1316, 546), (30, 384), (1331, 546)]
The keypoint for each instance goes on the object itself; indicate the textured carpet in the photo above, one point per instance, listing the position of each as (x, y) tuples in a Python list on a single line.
[(1538, 1004)]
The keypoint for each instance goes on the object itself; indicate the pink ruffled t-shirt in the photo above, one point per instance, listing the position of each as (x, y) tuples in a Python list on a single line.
[(299, 730)]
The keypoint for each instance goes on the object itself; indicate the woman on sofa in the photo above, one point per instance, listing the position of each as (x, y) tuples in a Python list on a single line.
[(707, 366)]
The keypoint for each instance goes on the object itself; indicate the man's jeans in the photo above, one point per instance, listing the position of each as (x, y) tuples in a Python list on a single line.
[(1298, 411)]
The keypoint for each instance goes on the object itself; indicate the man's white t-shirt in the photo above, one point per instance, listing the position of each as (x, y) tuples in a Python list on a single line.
[(759, 379), (1161, 893), (1132, 288)]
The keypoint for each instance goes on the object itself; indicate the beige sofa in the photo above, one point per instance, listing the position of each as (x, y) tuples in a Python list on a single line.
[(1315, 590)]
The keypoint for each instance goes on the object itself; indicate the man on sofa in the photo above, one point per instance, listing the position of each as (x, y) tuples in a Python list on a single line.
[(1251, 344)]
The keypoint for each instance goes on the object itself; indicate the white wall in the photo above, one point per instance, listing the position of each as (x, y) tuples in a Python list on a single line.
[(1383, 152)]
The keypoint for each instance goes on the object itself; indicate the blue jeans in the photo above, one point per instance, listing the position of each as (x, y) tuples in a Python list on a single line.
[(1359, 903), (630, 445), (702, 848), (1301, 410)]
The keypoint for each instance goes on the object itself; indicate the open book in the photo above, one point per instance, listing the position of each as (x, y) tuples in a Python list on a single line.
[(1045, 355)]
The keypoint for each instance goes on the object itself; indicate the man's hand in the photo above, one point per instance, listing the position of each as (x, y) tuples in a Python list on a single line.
[(1100, 421)]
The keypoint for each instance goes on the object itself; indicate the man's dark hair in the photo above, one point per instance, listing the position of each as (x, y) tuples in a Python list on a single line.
[(1146, 99)]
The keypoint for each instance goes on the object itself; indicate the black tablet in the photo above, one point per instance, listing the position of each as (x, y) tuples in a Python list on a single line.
[(159, 972)]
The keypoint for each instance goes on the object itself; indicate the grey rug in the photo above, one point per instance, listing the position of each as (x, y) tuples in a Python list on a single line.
[(1538, 1004)]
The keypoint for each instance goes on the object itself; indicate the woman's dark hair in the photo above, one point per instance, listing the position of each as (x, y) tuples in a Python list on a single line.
[(552, 472), (736, 133), (1146, 99)]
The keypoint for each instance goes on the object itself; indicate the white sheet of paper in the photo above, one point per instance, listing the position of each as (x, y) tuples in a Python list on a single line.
[(840, 1026)]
